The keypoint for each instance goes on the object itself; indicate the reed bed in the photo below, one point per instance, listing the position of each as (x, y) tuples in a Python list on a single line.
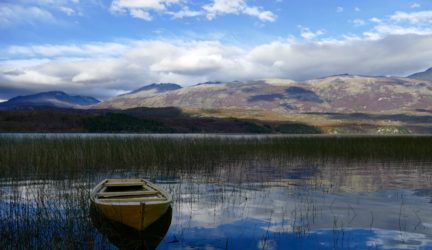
[(68, 156)]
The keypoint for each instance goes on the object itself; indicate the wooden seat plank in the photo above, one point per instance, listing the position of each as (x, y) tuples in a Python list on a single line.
[(130, 193), (140, 199), (123, 184)]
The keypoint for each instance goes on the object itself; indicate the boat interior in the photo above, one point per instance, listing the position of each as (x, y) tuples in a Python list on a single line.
[(117, 190)]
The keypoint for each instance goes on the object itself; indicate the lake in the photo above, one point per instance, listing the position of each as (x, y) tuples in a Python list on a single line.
[(240, 192)]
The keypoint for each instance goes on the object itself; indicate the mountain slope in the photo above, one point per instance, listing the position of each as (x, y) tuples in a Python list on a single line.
[(341, 93), (56, 99), (158, 88), (425, 75)]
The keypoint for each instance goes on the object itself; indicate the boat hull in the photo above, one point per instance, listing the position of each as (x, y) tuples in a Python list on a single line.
[(138, 215)]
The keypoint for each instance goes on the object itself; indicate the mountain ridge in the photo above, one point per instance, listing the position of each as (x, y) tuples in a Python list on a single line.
[(339, 93), (57, 99), (158, 87), (425, 75)]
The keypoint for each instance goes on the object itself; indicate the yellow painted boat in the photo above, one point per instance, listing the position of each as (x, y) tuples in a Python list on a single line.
[(133, 202)]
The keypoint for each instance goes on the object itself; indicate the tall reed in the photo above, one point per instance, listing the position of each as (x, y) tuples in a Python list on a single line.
[(68, 156)]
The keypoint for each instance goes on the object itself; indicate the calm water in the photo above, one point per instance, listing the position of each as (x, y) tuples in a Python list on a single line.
[(285, 204)]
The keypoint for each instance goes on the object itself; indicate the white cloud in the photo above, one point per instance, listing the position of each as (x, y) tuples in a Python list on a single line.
[(43, 2), (392, 29), (185, 12), (31, 77), (307, 34), (339, 9), (119, 5), (141, 14), (415, 5), (13, 14), (70, 50), (221, 7), (262, 15), (359, 22), (16, 65), (357, 9), (141, 8), (375, 20), (68, 11), (413, 17), (34, 12), (190, 62), (178, 9), (401, 23), (224, 7)]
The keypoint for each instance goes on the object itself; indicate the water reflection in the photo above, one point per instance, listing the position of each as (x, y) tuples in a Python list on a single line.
[(125, 237), (305, 206), (301, 218), (255, 205)]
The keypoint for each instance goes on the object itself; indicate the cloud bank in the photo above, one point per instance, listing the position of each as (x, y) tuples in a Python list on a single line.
[(115, 68), (399, 44), (145, 9)]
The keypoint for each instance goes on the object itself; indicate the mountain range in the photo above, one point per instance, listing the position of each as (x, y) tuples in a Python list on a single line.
[(337, 94), (56, 99), (334, 104)]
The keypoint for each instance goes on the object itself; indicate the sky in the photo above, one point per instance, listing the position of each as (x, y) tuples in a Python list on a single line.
[(103, 48)]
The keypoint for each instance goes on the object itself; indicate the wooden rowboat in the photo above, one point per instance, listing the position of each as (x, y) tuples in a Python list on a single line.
[(133, 202)]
